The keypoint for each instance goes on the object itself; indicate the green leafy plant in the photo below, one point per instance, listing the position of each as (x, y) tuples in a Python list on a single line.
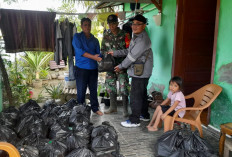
[(40, 97), (20, 90), (101, 91), (54, 91), (20, 93), (44, 73), (37, 61)]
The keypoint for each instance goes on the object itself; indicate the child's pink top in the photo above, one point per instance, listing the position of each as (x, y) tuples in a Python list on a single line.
[(178, 96)]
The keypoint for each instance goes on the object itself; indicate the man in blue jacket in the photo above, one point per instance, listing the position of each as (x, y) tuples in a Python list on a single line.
[(87, 51)]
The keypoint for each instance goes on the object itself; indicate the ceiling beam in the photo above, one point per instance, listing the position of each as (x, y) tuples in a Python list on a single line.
[(158, 4)]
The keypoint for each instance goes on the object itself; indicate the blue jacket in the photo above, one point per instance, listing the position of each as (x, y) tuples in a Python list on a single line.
[(81, 44)]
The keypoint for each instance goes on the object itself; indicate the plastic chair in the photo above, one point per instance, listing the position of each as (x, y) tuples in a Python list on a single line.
[(203, 98), (10, 149)]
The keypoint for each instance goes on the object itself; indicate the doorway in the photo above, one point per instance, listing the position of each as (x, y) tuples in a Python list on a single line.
[(193, 44)]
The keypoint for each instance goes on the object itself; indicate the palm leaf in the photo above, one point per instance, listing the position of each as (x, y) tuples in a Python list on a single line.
[(36, 60)]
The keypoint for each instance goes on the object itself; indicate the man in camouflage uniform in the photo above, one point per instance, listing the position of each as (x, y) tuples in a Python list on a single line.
[(116, 39)]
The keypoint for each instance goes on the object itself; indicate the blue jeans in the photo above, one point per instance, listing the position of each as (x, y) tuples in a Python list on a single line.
[(87, 78)]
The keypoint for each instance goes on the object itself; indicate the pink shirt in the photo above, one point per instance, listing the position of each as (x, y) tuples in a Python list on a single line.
[(178, 96)]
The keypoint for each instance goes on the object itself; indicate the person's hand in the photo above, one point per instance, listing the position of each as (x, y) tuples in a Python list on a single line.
[(116, 69), (163, 116), (97, 57), (111, 53)]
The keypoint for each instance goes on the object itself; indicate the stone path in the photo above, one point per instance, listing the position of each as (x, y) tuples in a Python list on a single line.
[(138, 142)]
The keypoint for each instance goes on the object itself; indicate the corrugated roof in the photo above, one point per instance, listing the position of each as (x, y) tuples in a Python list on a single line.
[(112, 3), (122, 1), (107, 4)]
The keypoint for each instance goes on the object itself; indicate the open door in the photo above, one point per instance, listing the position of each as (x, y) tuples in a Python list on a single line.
[(194, 41)]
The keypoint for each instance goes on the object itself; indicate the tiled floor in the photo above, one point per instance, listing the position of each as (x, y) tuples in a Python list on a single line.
[(138, 142)]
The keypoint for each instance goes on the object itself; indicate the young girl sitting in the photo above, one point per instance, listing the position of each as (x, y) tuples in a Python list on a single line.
[(177, 102)]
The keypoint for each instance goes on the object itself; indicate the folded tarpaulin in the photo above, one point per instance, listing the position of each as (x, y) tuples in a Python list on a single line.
[(24, 30)]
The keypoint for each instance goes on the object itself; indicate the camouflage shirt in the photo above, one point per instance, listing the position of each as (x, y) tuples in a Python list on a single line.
[(115, 42)]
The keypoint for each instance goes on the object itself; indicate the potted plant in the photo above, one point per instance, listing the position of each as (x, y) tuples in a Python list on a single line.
[(102, 92), (54, 92), (37, 61)]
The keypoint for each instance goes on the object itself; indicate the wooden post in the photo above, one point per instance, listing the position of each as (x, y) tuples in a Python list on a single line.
[(6, 82)]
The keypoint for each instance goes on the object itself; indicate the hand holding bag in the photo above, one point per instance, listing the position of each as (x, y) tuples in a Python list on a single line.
[(107, 63)]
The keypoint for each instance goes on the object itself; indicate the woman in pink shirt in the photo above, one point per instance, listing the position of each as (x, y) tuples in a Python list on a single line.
[(177, 101)]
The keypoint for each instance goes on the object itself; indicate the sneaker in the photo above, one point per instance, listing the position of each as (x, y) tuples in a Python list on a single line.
[(128, 124), (144, 119)]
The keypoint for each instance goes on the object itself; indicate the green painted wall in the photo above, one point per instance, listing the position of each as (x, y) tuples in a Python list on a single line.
[(162, 38), (221, 110)]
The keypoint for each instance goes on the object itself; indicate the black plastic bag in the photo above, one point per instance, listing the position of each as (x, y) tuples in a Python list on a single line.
[(194, 143), (74, 141), (28, 151), (102, 129), (168, 143), (71, 103), (33, 140), (9, 117), (39, 128), (104, 143), (49, 106), (81, 152), (183, 143), (76, 119), (54, 149), (23, 128), (104, 138), (30, 105), (82, 109), (57, 131), (56, 110), (49, 118), (107, 63), (8, 135), (83, 131), (49, 115)]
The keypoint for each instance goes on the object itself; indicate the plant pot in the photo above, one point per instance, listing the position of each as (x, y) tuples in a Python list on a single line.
[(44, 81), (58, 101), (68, 83), (37, 83), (106, 101)]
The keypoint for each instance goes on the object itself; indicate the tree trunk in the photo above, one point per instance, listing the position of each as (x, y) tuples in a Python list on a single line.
[(6, 82), (37, 75)]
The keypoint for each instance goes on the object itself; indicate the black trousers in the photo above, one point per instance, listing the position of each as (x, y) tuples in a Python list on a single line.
[(138, 99), (87, 78)]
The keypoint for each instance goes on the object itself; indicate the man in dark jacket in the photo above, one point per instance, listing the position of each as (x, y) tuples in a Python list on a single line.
[(139, 51)]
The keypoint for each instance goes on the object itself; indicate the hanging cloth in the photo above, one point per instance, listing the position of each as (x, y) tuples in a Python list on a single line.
[(67, 49), (58, 43), (24, 30)]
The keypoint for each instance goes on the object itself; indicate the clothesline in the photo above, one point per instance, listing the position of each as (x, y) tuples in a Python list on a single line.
[(65, 13)]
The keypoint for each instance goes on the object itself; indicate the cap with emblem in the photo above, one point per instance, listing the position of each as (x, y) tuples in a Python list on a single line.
[(140, 18), (112, 18)]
